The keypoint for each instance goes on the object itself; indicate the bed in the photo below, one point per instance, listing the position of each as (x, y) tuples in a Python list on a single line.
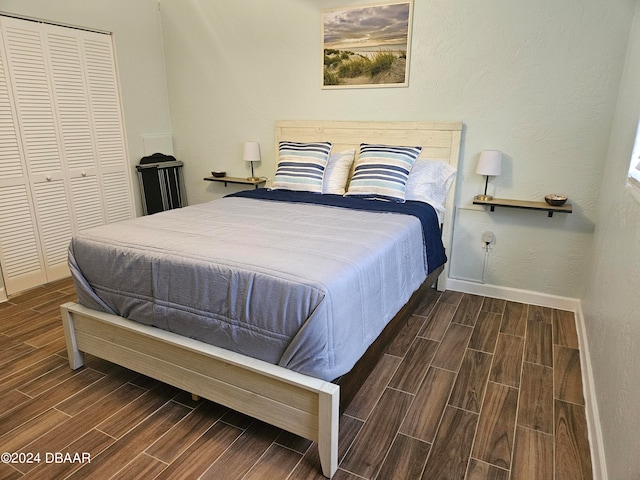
[(172, 295)]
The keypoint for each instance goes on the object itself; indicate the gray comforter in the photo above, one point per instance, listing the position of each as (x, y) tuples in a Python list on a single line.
[(307, 287)]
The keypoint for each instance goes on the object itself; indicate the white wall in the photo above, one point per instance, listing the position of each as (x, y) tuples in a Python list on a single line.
[(611, 303), (137, 31), (537, 80)]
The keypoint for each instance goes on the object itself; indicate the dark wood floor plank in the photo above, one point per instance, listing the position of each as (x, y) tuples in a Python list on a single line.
[(514, 319), (37, 325), (451, 297), (136, 411), (365, 400), (186, 431), (31, 358), (564, 329), (493, 305), (407, 335), (567, 377), (238, 459), (47, 336), (468, 309), (7, 472), (31, 301), (71, 430), (36, 406), (33, 428), (349, 429), (540, 314), (298, 444), (17, 351), (536, 398), (428, 302), (425, 413), (12, 399), (539, 343), (370, 447), (485, 333), (507, 361), (471, 382), (94, 393), (495, 435), (117, 455), (309, 467), (450, 451), (141, 467), (436, 324), (6, 342), (277, 462), (533, 455), (479, 470), (403, 461), (93, 443), (198, 457), (414, 366), (573, 459), (452, 347), (28, 375), (49, 380)]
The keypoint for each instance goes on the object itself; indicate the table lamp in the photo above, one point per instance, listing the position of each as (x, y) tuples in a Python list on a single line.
[(251, 154), (489, 164)]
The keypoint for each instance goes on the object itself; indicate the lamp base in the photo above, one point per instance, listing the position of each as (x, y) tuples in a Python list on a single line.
[(483, 198), (253, 179)]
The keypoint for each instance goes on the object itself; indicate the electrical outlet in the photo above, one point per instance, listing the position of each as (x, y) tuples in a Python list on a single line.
[(488, 237)]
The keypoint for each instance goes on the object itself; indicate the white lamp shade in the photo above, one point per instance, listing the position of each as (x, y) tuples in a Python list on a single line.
[(489, 163), (251, 152)]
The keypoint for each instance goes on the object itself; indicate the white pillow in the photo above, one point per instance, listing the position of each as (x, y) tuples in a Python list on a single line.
[(337, 172), (429, 182)]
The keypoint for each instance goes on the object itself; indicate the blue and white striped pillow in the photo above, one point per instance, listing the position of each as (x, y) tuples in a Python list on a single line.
[(301, 166), (382, 171)]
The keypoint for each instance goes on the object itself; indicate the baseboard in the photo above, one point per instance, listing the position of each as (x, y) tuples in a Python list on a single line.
[(513, 294), (598, 460), (562, 303)]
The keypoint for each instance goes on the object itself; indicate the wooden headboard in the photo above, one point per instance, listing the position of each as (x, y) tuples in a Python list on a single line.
[(439, 141)]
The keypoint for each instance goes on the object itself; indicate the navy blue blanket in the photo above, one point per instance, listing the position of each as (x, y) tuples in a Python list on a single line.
[(423, 211)]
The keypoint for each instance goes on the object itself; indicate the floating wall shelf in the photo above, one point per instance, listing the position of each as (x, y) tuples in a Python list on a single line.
[(238, 180), (506, 202)]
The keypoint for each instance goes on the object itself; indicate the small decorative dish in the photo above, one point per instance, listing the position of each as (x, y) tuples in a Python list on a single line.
[(218, 173), (555, 200)]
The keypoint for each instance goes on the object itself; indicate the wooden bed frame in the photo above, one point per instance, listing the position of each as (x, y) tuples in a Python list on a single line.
[(298, 403)]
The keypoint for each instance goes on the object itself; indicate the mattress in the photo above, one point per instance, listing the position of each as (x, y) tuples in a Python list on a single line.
[(302, 285)]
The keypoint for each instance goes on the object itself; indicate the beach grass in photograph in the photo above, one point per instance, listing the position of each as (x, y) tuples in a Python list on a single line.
[(343, 67)]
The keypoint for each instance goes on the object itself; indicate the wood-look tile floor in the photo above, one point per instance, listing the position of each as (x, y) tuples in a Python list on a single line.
[(474, 388)]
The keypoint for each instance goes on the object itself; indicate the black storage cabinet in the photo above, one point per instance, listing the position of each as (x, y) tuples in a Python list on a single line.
[(161, 183)]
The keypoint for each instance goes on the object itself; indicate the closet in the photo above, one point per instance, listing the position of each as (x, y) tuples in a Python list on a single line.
[(63, 158)]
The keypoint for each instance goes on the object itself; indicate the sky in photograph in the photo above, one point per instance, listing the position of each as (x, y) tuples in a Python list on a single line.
[(366, 26)]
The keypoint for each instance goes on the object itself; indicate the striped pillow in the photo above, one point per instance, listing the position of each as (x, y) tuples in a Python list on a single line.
[(301, 166), (382, 171)]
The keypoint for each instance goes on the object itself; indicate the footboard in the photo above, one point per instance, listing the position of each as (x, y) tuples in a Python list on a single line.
[(300, 404)]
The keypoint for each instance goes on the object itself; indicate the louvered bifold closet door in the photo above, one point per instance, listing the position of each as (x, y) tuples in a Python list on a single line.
[(70, 129), (20, 254), (106, 112)]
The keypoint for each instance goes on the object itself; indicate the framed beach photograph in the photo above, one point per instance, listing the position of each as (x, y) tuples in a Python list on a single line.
[(367, 46)]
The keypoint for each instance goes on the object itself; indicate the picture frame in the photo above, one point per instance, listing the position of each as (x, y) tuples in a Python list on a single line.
[(367, 46)]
